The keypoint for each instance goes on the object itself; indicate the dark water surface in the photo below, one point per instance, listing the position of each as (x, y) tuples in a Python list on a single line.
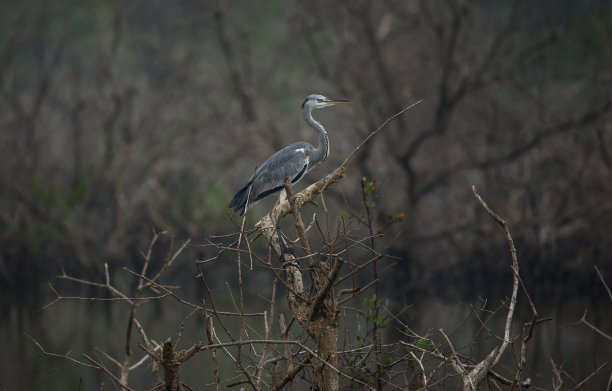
[(80, 326)]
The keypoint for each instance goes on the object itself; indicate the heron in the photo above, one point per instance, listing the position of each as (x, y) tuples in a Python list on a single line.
[(293, 162)]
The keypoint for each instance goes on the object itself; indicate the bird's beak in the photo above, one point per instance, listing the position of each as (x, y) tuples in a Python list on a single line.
[(336, 101)]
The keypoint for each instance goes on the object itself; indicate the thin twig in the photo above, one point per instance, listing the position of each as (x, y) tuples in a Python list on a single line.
[(101, 366), (593, 327), (476, 375), (209, 326), (604, 283), (64, 356), (291, 374), (151, 350), (585, 380), (373, 133), (459, 367)]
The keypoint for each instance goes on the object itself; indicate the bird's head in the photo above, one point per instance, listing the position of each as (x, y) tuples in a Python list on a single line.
[(317, 101)]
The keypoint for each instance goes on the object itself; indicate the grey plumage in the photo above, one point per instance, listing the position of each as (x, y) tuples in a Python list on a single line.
[(293, 161)]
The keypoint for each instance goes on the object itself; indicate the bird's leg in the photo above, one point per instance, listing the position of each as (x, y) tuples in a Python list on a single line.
[(281, 243)]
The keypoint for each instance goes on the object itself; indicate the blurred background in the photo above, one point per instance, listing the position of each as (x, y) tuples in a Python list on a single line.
[(118, 118)]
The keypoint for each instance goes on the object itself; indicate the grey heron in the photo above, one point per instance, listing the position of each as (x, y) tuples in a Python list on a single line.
[(293, 161)]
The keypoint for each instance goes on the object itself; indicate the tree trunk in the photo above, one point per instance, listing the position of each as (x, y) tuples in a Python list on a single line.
[(324, 332), (316, 314)]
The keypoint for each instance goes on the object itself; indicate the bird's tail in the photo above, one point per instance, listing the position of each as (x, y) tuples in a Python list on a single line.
[(240, 200)]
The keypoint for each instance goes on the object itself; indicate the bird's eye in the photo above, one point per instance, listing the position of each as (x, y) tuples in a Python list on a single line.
[(319, 100)]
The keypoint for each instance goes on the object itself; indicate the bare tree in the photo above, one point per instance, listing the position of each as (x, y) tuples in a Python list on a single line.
[(120, 117)]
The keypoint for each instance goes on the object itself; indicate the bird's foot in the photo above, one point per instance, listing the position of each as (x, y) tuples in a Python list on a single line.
[(284, 249)]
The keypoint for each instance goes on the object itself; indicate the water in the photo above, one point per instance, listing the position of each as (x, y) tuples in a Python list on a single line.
[(78, 327)]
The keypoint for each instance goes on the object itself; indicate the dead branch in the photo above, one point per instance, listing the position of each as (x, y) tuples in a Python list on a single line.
[(299, 226), (586, 379), (472, 379), (268, 329), (291, 374), (322, 329), (603, 281), (208, 324), (593, 327), (373, 133), (325, 290)]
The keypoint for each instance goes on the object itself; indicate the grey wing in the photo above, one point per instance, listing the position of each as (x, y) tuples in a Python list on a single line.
[(291, 161)]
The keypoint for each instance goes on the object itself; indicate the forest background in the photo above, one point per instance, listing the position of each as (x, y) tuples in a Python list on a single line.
[(121, 118)]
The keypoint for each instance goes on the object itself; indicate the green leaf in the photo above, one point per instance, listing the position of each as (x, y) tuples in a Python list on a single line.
[(421, 343), (369, 187)]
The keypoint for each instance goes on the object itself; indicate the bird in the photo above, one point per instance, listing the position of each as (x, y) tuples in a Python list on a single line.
[(293, 161)]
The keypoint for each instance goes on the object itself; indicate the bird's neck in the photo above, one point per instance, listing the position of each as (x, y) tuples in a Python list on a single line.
[(322, 150)]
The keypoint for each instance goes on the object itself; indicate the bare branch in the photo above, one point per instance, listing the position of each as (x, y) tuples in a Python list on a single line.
[(604, 283), (373, 133), (586, 379), (476, 375), (150, 350), (324, 291), (101, 366), (457, 364), (593, 327), (64, 356), (291, 374)]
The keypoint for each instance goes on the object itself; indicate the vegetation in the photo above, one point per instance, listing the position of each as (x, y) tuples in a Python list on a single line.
[(123, 118)]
